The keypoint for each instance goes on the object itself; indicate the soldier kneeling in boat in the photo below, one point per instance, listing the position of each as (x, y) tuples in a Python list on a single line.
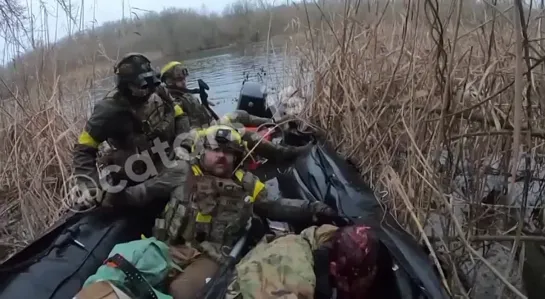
[(138, 115), (207, 214), (174, 75)]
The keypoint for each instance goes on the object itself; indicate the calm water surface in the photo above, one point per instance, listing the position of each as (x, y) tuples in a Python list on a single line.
[(225, 70)]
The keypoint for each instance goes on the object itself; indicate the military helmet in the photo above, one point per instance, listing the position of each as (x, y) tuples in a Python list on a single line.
[(222, 137), (135, 69), (173, 70)]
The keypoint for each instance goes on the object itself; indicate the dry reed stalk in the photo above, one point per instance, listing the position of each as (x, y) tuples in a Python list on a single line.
[(36, 154), (420, 97)]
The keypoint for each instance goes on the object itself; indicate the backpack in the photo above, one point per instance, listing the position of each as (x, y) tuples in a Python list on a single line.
[(149, 256)]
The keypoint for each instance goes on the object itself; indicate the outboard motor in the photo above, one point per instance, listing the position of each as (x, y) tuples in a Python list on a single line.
[(253, 99)]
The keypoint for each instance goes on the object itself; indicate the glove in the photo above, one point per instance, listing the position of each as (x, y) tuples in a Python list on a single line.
[(300, 150), (182, 154), (281, 119), (322, 212), (85, 197)]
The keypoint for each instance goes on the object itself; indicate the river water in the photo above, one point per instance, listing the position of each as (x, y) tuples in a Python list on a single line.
[(224, 71)]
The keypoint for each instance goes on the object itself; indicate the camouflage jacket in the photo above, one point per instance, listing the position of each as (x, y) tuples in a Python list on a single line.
[(198, 115), (281, 268), (128, 128), (253, 141), (209, 212), (244, 118)]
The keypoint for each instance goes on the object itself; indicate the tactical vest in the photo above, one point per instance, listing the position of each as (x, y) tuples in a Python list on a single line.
[(154, 119), (214, 209), (198, 115)]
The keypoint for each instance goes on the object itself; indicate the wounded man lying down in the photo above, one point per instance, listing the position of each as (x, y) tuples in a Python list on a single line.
[(317, 263), (322, 262)]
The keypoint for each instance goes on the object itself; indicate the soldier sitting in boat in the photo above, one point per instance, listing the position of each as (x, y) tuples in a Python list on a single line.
[(133, 118), (207, 213), (174, 75)]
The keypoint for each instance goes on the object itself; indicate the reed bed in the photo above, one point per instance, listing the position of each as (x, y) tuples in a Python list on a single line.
[(40, 118), (438, 103), (440, 106)]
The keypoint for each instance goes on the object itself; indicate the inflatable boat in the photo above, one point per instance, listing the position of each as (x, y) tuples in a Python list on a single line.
[(56, 265)]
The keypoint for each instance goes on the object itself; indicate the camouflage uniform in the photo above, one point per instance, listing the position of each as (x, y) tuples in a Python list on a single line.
[(209, 212), (244, 118), (130, 120), (253, 140), (299, 266), (282, 268), (198, 115), (264, 148)]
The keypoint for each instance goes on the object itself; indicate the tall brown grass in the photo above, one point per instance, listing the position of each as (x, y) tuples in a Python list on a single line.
[(42, 109), (39, 123), (434, 100), (46, 93), (431, 99)]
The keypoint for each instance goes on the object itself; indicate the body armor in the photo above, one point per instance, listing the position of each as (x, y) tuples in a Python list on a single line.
[(219, 209), (213, 209), (199, 117), (153, 119)]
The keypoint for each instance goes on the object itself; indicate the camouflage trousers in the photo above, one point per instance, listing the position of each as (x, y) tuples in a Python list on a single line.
[(281, 269)]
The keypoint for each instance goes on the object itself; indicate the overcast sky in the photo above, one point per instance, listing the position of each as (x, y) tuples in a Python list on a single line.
[(109, 10)]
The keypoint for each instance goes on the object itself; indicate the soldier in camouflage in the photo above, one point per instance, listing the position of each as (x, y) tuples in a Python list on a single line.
[(131, 118), (209, 212), (174, 75), (310, 265)]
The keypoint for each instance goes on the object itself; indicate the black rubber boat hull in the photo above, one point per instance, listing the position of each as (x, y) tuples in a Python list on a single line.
[(55, 266), (52, 268), (324, 175)]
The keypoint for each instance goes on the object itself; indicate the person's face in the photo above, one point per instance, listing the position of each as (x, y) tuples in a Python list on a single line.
[(218, 162), (180, 82)]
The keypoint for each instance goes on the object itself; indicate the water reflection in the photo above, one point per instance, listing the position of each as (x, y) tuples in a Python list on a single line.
[(224, 71), (225, 74)]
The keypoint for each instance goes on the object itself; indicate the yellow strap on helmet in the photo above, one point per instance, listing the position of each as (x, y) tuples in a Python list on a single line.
[(169, 66)]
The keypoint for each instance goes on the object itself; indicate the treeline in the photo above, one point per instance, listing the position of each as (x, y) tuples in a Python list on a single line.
[(171, 32), (176, 32), (179, 31)]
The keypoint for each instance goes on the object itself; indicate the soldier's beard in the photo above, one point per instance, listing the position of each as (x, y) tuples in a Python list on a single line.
[(222, 167), (218, 165)]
